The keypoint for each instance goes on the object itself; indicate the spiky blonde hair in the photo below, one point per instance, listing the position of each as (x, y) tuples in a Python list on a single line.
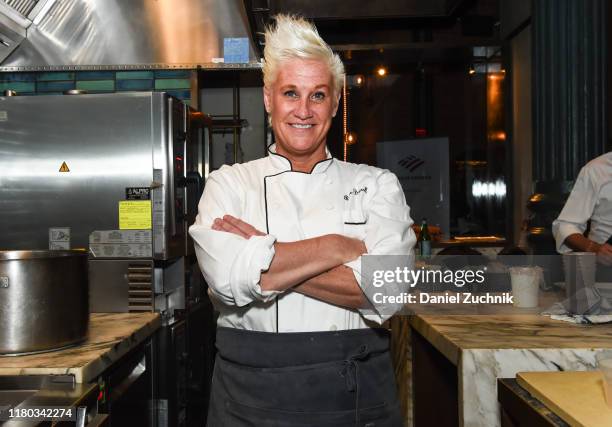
[(294, 37)]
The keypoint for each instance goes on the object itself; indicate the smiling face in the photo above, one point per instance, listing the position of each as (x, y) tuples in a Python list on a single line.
[(301, 103)]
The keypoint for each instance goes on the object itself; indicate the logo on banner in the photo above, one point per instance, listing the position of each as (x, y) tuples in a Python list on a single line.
[(411, 162)]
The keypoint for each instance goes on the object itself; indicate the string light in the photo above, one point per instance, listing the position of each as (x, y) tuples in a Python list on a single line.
[(350, 138), (344, 120), (381, 71)]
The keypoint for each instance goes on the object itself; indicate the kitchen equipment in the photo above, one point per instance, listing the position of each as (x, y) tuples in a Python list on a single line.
[(43, 300), (120, 174), (48, 391)]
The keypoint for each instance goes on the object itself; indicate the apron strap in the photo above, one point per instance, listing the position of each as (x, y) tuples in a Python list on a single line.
[(350, 372)]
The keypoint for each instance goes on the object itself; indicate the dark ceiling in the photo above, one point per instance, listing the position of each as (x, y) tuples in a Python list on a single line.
[(400, 32)]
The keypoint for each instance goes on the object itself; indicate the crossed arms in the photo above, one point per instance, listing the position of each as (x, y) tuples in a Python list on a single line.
[(312, 267)]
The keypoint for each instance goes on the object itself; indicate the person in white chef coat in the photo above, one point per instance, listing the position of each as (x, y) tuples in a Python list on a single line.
[(589, 201), (280, 240)]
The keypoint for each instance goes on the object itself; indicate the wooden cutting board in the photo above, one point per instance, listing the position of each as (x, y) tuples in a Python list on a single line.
[(576, 397)]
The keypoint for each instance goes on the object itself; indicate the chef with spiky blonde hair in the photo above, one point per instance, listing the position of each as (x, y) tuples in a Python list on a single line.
[(280, 241)]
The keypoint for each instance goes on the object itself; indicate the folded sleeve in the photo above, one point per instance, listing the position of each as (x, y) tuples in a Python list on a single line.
[(231, 264), (388, 232), (577, 211)]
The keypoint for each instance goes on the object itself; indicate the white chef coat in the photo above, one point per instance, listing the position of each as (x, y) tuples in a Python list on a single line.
[(591, 198), (359, 201)]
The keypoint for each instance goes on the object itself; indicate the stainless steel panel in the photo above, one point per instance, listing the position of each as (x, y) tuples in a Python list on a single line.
[(120, 286), (109, 142), (22, 6), (27, 391), (173, 276), (121, 244), (164, 122), (169, 286), (13, 29), (112, 32), (14, 19), (8, 41), (43, 300), (108, 287), (176, 299)]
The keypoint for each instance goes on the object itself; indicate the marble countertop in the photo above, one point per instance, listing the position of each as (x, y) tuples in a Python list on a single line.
[(453, 334), (486, 347), (111, 335)]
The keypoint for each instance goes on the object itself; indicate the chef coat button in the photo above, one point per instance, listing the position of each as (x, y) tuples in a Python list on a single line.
[(333, 328), (330, 207), (329, 181)]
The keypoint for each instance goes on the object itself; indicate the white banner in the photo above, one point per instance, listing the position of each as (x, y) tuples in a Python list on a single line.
[(421, 165)]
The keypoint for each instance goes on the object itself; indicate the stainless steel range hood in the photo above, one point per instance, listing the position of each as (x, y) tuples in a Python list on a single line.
[(116, 34)]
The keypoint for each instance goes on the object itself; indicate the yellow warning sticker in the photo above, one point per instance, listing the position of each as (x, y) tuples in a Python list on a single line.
[(64, 167), (135, 215)]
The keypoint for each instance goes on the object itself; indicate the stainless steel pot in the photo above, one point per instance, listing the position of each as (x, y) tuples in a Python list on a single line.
[(43, 300)]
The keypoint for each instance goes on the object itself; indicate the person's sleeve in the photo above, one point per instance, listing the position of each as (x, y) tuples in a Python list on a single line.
[(231, 265), (576, 212), (388, 232)]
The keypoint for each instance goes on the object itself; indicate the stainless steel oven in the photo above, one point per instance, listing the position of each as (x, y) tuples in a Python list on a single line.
[(67, 162)]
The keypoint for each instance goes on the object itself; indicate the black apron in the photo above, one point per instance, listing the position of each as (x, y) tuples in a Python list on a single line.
[(336, 378)]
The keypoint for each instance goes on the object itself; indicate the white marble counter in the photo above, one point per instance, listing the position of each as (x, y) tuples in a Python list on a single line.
[(487, 347)]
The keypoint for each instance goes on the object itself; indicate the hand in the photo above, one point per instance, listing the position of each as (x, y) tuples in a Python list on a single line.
[(236, 226), (604, 254), (350, 249)]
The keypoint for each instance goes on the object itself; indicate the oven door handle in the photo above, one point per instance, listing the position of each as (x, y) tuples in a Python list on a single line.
[(171, 189), (194, 185), (139, 370), (81, 415)]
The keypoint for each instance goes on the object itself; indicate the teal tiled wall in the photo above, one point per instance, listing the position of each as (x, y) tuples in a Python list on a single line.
[(176, 82), (128, 75)]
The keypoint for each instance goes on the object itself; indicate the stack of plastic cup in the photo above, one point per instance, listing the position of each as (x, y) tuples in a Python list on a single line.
[(525, 286), (580, 269)]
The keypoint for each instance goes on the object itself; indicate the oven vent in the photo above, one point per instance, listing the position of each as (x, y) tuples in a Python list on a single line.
[(140, 287)]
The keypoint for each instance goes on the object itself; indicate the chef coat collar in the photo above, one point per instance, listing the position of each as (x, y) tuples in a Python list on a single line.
[(281, 162)]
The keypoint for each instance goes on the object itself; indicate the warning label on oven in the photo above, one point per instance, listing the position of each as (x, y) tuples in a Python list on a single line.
[(59, 238), (135, 215)]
